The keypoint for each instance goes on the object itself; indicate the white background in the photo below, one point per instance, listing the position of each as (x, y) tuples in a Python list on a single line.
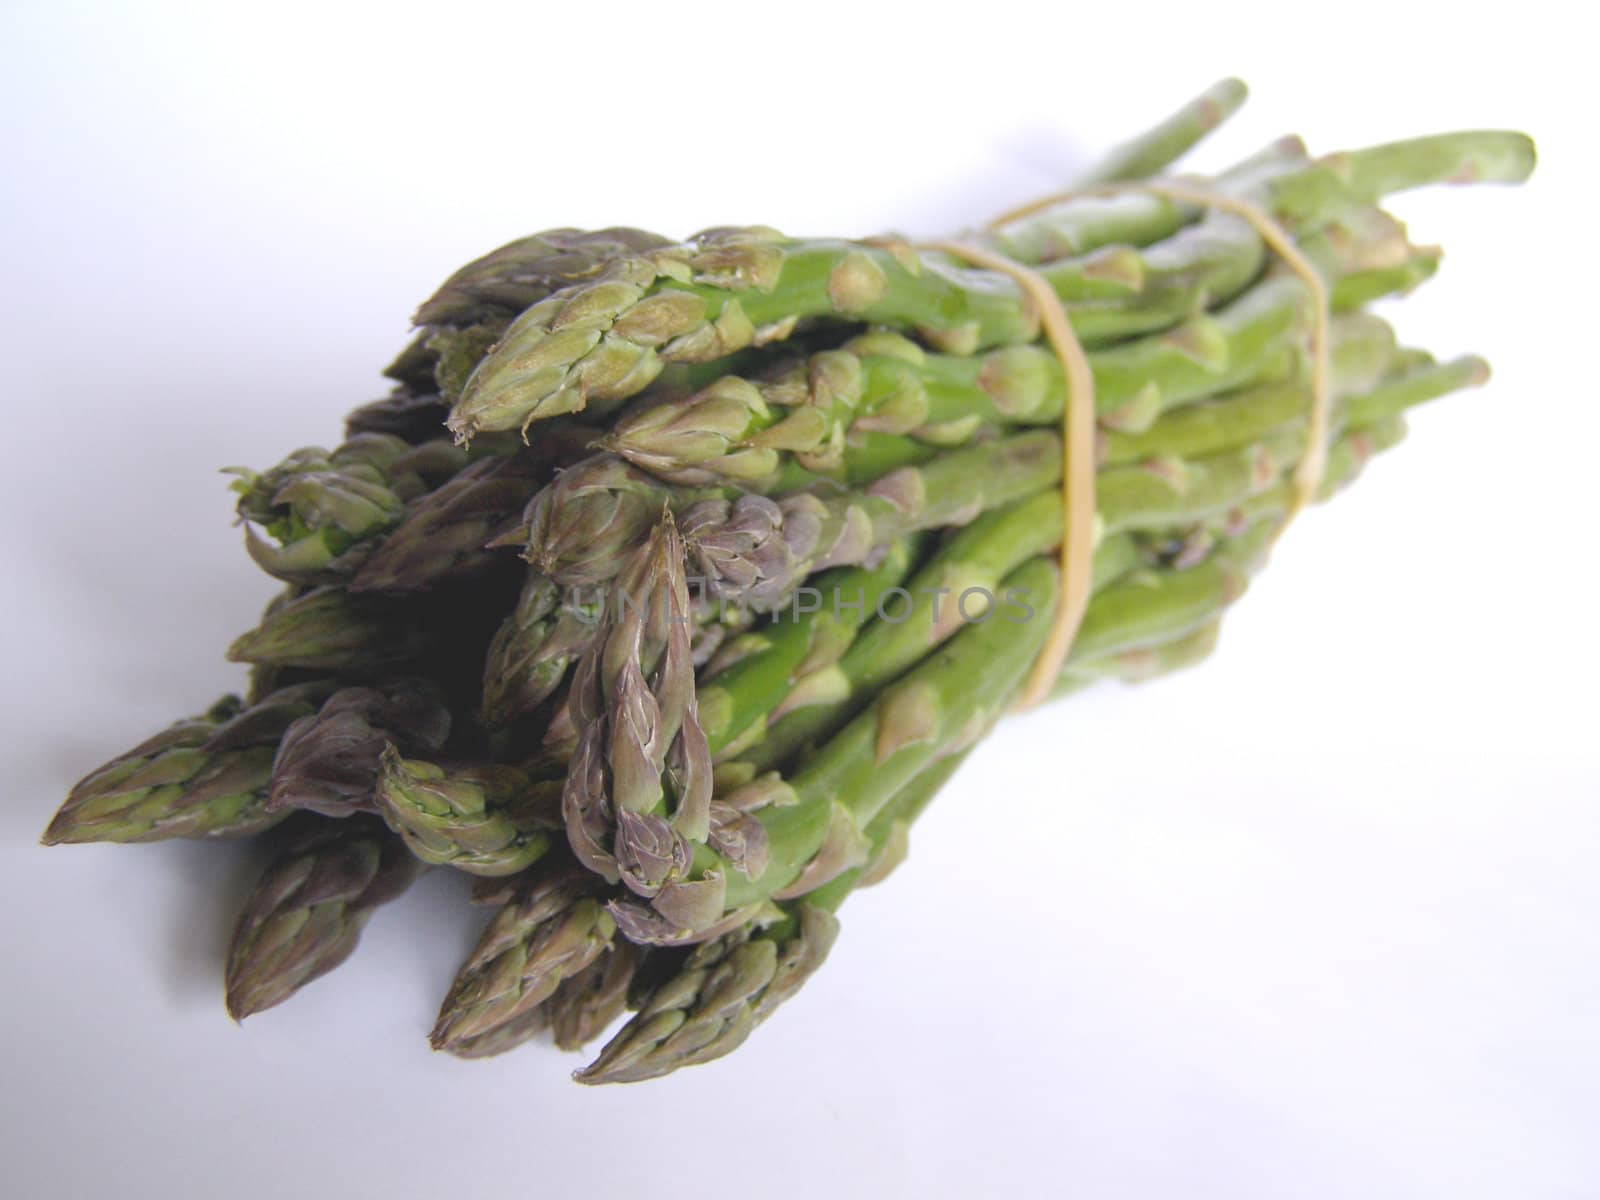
[(1317, 920)]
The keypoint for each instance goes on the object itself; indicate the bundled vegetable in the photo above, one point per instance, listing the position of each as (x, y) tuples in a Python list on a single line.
[(674, 579)]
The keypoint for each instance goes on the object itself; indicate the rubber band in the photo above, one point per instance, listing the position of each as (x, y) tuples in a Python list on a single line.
[(1078, 407), (1314, 460), (1077, 467)]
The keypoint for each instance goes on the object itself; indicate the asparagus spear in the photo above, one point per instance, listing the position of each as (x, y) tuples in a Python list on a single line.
[(638, 788), (1157, 148), (205, 777), (579, 527), (746, 432), (445, 536), (732, 288), (328, 629), (521, 273), (546, 930), (757, 675), (500, 1038), (308, 909), (812, 825), (589, 1000), (326, 509), (1140, 663), (583, 1003), (328, 762), (757, 551), (709, 1008), (754, 682), (535, 645), (486, 818), (976, 560), (471, 309), (725, 988)]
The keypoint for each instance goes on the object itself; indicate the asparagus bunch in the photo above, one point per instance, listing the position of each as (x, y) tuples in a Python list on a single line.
[(673, 580)]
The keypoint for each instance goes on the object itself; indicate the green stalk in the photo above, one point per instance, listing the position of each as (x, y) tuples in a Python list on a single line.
[(482, 818), (1237, 489), (205, 777), (445, 536), (729, 289), (1156, 149), (813, 825), (328, 762), (546, 930), (793, 644), (328, 629), (757, 551), (1143, 662), (725, 988), (308, 909), (752, 433)]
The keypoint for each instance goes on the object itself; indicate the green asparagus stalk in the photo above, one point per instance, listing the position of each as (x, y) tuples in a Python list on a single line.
[(579, 527), (1344, 182), (973, 562), (535, 645), (757, 550), (733, 288), (754, 681), (725, 988), (307, 911), (1158, 148), (328, 762), (545, 931), (328, 629), (578, 530), (1087, 220), (451, 533), (444, 536), (459, 323), (587, 1001), (1141, 663), (1422, 382), (552, 626), (325, 510), (501, 1038), (638, 788), (745, 432), (756, 675), (205, 777), (813, 824), (486, 818), (521, 273), (728, 289)]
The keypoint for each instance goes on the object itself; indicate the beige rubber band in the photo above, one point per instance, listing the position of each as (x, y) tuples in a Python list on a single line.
[(1077, 467), (1078, 410), (1314, 461)]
